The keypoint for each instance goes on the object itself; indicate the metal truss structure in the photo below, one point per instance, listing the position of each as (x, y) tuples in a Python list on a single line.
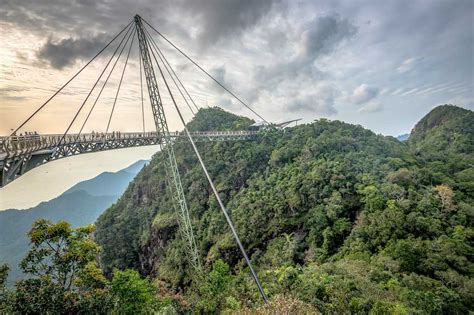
[(166, 143), (21, 154)]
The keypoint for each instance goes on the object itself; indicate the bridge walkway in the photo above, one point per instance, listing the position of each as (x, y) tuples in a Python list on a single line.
[(19, 154)]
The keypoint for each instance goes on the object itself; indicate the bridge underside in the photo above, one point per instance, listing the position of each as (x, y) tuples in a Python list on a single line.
[(18, 155)]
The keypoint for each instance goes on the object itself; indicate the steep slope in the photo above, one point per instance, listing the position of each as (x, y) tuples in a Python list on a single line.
[(443, 141), (444, 131), (331, 213), (80, 205)]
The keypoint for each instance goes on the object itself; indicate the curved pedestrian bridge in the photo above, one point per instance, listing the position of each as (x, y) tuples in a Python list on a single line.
[(19, 154)]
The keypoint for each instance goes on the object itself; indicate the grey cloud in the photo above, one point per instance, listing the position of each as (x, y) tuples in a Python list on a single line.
[(319, 107), (364, 93), (78, 21), (87, 3), (324, 34), (12, 98), (219, 74), (371, 107), (13, 93), (219, 19), (214, 19), (11, 89), (319, 102), (64, 52), (320, 37)]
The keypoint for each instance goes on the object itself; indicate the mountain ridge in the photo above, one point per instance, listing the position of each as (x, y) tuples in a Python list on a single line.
[(326, 205), (108, 183)]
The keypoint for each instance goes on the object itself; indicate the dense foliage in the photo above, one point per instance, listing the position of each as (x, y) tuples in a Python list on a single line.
[(64, 278), (333, 215), (336, 220), (79, 205)]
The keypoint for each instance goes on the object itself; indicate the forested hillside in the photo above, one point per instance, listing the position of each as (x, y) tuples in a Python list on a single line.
[(332, 214)]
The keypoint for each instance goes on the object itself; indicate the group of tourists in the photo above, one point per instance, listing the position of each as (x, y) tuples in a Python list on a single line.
[(101, 135), (23, 140), (29, 135)]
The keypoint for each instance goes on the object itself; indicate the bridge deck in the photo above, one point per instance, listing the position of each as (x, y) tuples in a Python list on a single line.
[(19, 154)]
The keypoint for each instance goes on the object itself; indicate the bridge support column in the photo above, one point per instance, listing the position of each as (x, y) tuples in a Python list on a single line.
[(166, 143)]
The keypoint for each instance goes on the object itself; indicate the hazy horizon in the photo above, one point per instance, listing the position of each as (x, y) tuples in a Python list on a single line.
[(48, 181)]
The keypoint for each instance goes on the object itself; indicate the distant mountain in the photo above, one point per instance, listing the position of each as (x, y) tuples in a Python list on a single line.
[(108, 183), (77, 207), (403, 137), (80, 205)]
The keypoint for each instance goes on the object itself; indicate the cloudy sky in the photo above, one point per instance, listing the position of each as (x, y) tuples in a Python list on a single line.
[(381, 64)]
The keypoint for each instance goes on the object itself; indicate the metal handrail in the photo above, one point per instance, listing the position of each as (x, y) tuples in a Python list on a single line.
[(35, 142)]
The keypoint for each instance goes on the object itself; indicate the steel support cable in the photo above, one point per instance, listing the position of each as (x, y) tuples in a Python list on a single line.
[(158, 51), (65, 84), (207, 73), (107, 79), (120, 83), (88, 95), (172, 157), (141, 89), (172, 70), (214, 190)]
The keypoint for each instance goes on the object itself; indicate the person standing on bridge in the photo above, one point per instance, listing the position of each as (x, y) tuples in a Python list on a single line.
[(37, 137), (20, 141), (14, 141)]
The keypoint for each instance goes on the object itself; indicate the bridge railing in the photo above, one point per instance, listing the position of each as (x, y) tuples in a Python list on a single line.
[(36, 142)]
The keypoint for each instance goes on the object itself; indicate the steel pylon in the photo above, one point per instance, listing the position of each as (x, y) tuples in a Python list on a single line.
[(166, 143)]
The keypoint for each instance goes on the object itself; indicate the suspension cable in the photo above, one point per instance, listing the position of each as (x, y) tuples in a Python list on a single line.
[(74, 76), (169, 72), (87, 97), (214, 190), (141, 88), (205, 72), (108, 76), (172, 70), (120, 83)]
